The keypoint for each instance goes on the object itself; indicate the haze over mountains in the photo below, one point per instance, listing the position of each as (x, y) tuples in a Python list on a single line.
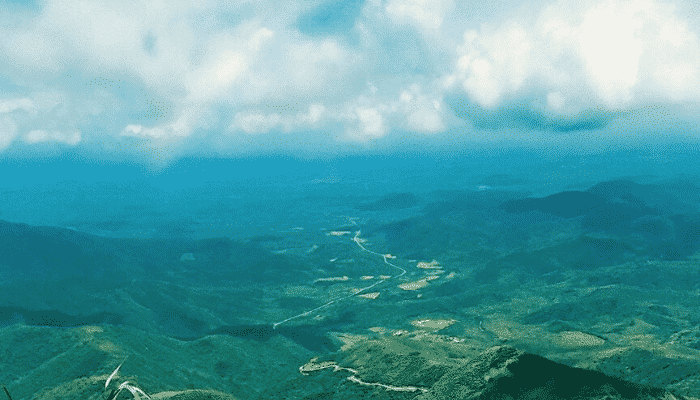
[(569, 276)]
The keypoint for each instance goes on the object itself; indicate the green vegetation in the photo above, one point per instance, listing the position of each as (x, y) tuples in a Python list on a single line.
[(135, 391), (6, 392)]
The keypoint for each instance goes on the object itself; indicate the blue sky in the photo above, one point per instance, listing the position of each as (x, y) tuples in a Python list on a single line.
[(155, 81)]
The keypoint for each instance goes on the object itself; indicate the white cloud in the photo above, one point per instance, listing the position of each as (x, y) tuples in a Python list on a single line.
[(156, 133), (217, 76), (311, 64), (316, 111), (555, 101), (611, 48), (426, 120), (8, 106), (371, 121), (273, 68), (132, 130), (372, 88), (495, 64), (182, 127), (187, 120), (8, 131), (256, 122), (40, 136), (613, 52), (101, 37), (427, 15), (421, 113), (35, 50), (259, 38)]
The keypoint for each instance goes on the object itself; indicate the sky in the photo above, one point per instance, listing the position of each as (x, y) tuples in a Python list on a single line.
[(155, 81)]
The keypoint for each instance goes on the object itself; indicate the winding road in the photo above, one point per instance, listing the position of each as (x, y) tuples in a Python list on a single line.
[(359, 242)]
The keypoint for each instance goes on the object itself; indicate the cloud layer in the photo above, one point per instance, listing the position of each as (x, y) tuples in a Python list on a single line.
[(355, 71)]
